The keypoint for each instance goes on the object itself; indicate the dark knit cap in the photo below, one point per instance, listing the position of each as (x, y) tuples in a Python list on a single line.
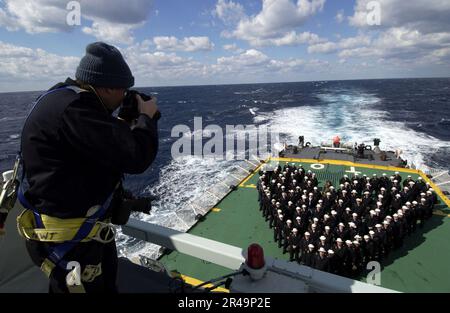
[(104, 66)]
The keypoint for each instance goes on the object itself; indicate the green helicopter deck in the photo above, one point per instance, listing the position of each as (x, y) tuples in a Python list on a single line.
[(421, 265)]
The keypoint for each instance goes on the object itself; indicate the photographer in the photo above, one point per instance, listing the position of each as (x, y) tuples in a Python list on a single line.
[(75, 153)]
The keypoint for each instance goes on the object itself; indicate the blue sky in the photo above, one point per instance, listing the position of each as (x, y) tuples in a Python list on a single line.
[(170, 42)]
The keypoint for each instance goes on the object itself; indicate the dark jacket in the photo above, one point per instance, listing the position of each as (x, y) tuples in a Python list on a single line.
[(75, 152)]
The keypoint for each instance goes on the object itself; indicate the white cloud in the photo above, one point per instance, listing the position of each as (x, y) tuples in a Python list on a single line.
[(112, 20), (340, 16), (423, 15), (276, 23), (229, 11), (19, 65), (250, 57), (233, 47), (188, 44), (346, 43)]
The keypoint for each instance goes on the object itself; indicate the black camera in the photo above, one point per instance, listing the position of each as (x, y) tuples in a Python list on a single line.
[(129, 110), (123, 203)]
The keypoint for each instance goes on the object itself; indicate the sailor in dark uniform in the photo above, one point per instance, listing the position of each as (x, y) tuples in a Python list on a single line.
[(332, 262), (380, 233), (287, 229), (278, 229), (294, 245), (344, 179), (347, 216), (341, 232), (321, 262), (304, 242), (308, 257), (397, 232), (340, 254), (323, 243)]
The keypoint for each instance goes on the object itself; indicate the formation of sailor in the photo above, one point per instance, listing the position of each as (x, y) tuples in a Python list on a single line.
[(340, 230)]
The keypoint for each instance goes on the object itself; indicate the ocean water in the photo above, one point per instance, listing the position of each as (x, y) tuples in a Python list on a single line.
[(408, 114)]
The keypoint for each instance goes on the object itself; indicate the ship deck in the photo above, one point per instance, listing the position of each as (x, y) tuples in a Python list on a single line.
[(421, 265)]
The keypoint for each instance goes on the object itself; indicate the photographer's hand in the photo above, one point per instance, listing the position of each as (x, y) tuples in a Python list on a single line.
[(147, 107)]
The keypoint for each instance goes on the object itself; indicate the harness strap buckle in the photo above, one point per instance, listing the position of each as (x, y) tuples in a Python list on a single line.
[(105, 234)]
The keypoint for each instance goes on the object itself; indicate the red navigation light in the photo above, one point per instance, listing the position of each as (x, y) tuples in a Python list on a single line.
[(255, 256)]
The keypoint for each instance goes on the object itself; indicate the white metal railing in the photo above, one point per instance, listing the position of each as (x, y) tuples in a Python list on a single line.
[(233, 257)]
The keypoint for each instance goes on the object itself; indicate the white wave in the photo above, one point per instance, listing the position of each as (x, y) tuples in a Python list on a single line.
[(188, 186), (352, 116)]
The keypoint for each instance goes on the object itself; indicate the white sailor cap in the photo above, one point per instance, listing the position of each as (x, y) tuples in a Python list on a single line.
[(311, 194), (284, 172), (380, 197), (280, 175), (400, 214), (315, 188), (429, 192), (331, 187), (333, 212), (374, 175), (423, 199), (396, 173), (320, 201), (378, 226), (297, 187), (395, 215), (303, 196), (339, 240), (346, 176), (393, 188), (283, 187), (344, 191), (408, 203), (298, 208), (385, 223), (366, 237), (414, 202), (398, 195), (347, 209), (372, 212), (377, 210), (341, 224), (353, 191), (358, 199), (291, 191), (273, 180), (311, 246), (382, 188), (419, 178), (326, 216), (278, 184), (348, 242), (341, 201), (279, 211), (388, 217), (327, 227), (395, 181), (280, 215), (328, 193), (422, 193), (351, 224), (288, 221), (355, 214), (357, 237), (371, 232), (277, 203), (304, 206), (323, 238), (294, 230), (313, 225), (341, 185), (309, 171), (379, 203), (406, 188), (322, 249), (356, 242), (273, 200), (330, 251), (290, 202), (355, 181), (431, 189), (411, 183), (384, 174), (298, 218)]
